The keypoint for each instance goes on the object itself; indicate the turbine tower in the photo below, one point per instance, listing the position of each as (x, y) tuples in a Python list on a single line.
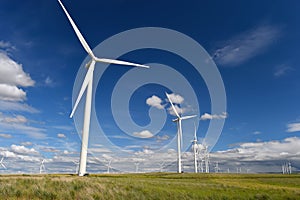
[(1, 162), (88, 85), (179, 131), (196, 150)]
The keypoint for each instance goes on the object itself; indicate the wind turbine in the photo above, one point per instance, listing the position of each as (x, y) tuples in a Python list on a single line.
[(109, 165), (1, 162), (136, 167), (179, 131), (42, 166), (76, 166), (88, 85), (195, 148), (161, 166)]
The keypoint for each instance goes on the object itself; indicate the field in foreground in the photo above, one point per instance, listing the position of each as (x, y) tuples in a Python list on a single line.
[(151, 186)]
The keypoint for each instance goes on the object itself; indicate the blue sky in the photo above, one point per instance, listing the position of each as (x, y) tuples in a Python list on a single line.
[(255, 48)]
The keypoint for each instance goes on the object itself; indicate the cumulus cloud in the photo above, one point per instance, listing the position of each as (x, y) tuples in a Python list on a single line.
[(143, 134), (12, 73), (176, 98), (155, 101), (12, 77), (207, 116), (22, 149), (11, 93), (293, 127), (61, 135), (246, 45)]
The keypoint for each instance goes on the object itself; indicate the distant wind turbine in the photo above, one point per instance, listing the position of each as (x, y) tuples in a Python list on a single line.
[(195, 148), (179, 131), (88, 85), (161, 166), (136, 167), (109, 165), (42, 166), (1, 162), (76, 166)]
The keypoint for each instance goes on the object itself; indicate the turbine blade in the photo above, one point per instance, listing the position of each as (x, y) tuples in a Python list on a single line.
[(119, 62), (188, 117), (173, 107), (79, 35), (85, 83)]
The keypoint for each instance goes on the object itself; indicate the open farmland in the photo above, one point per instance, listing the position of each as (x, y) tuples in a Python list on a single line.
[(151, 186)]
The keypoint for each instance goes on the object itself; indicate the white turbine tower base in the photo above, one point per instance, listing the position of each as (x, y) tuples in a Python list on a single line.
[(179, 132), (88, 85)]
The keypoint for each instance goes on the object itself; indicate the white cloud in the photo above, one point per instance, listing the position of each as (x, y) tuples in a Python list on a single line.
[(270, 150), (176, 98), (21, 128), (12, 73), (246, 45), (155, 101), (143, 134), (16, 106), (61, 135), (282, 70), (26, 143), (7, 46), (18, 124), (162, 138), (207, 116), (293, 127), (49, 82), (11, 93), (178, 110), (22, 149), (256, 132), (7, 136), (16, 119), (63, 127)]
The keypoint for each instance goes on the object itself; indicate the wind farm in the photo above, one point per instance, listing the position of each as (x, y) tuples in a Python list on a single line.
[(149, 100)]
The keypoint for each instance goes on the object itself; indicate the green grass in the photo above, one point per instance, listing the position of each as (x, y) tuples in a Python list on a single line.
[(151, 186)]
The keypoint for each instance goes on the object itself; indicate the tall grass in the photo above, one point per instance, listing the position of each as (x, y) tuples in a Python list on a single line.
[(151, 186)]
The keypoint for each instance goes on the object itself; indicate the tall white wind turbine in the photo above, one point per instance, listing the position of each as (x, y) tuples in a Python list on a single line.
[(1, 162), (88, 85), (179, 131)]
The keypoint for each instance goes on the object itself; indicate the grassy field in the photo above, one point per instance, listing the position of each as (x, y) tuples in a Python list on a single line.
[(151, 186)]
